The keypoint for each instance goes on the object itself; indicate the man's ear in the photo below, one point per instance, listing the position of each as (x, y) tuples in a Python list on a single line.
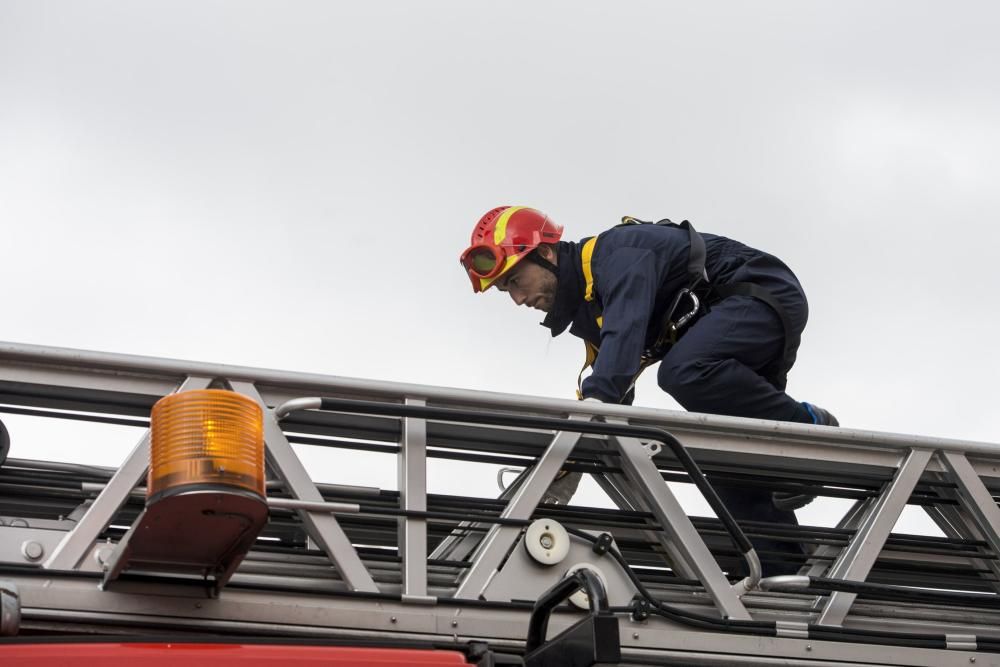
[(547, 252)]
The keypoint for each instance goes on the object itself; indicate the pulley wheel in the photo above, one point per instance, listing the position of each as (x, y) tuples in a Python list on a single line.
[(546, 541)]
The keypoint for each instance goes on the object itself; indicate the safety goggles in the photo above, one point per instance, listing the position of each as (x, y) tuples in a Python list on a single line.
[(484, 261)]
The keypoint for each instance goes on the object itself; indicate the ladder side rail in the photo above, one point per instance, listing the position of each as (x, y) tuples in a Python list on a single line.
[(499, 539), (733, 430), (411, 464), (859, 556), (323, 528), (78, 542)]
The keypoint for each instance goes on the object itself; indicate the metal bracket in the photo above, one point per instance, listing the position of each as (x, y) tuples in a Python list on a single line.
[(652, 448)]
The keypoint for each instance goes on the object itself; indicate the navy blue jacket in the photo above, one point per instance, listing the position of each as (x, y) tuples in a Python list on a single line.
[(637, 271)]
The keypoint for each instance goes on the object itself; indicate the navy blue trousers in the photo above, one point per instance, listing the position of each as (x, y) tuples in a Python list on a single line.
[(730, 363)]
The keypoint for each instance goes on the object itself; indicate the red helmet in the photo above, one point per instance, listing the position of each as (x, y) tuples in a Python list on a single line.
[(501, 238)]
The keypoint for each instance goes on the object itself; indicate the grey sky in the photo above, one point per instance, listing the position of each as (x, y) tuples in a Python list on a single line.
[(289, 185)]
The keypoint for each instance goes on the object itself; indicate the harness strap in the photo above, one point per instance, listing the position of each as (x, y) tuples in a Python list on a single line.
[(697, 254)]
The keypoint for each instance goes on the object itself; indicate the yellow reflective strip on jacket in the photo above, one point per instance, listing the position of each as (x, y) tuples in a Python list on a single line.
[(600, 321), (500, 230), (585, 256)]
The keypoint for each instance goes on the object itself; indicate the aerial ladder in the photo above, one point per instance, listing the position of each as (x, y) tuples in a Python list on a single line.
[(152, 562)]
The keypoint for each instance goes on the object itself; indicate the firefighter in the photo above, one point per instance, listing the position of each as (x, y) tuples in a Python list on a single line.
[(722, 319)]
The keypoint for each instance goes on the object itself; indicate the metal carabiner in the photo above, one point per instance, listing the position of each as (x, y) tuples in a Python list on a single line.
[(677, 325)]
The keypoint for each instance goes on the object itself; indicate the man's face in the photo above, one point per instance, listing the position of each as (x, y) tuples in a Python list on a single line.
[(529, 284)]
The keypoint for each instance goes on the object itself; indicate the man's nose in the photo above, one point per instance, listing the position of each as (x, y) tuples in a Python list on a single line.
[(518, 296)]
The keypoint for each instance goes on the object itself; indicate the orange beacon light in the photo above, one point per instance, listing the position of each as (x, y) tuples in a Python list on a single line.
[(205, 498), (206, 437)]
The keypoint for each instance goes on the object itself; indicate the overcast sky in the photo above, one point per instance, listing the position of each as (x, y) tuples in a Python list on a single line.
[(289, 184)]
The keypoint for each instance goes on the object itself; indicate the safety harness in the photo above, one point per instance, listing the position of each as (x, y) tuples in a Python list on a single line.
[(687, 305)]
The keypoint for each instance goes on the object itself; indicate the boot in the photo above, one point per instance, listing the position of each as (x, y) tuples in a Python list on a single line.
[(820, 416)]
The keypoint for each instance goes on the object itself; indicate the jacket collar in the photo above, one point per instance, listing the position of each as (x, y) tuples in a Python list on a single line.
[(569, 290)]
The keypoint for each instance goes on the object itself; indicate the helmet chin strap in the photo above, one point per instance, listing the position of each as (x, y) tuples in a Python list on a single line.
[(542, 262)]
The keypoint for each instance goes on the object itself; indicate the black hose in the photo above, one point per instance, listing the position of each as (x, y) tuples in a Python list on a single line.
[(671, 612)]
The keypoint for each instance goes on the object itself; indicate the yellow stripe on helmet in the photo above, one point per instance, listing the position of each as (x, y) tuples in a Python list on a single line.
[(500, 230)]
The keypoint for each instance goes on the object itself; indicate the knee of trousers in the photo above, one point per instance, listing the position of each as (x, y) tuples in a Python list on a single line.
[(690, 382)]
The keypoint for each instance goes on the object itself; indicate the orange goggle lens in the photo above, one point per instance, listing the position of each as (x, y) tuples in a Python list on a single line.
[(482, 261)]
